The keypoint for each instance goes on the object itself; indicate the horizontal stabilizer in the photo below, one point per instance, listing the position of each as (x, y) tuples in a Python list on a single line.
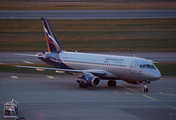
[(41, 56)]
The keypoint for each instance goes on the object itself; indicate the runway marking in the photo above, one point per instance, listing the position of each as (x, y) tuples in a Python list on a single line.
[(50, 77), (14, 77), (138, 92), (149, 97), (126, 88), (28, 62), (159, 101)]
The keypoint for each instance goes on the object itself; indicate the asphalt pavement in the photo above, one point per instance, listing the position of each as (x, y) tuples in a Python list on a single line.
[(86, 14), (44, 97), (8, 57)]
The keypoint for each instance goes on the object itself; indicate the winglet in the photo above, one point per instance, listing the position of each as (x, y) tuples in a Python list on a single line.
[(52, 42)]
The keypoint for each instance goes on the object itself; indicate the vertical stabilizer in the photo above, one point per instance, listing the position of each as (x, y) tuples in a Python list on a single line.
[(52, 42)]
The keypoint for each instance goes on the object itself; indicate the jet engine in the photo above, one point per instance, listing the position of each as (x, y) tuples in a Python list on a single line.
[(85, 81), (132, 82)]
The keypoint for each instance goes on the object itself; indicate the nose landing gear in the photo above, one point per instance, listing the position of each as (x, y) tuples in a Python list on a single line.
[(145, 89)]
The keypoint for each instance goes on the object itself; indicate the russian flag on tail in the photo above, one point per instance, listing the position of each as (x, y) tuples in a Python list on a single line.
[(52, 42)]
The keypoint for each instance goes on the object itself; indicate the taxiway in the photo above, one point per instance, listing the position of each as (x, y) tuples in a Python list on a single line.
[(43, 97), (11, 57), (86, 14)]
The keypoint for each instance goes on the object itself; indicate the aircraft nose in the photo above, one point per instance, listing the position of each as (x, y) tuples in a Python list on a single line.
[(156, 76)]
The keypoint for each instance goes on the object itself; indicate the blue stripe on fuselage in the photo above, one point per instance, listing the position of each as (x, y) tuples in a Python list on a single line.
[(55, 62)]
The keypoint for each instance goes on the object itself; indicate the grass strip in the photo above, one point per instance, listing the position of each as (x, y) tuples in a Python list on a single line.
[(87, 5), (85, 35), (10, 68), (166, 69)]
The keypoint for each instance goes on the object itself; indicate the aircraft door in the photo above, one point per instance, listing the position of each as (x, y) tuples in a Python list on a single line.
[(132, 69)]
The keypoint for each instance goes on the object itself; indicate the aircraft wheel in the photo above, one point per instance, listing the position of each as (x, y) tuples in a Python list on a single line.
[(82, 86), (114, 83), (143, 89), (22, 118), (111, 83)]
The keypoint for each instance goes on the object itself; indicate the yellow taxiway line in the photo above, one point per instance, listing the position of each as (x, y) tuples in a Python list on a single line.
[(14, 77), (28, 62), (147, 96), (50, 77)]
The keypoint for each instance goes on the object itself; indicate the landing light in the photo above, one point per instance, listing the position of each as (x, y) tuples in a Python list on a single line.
[(57, 71), (40, 69)]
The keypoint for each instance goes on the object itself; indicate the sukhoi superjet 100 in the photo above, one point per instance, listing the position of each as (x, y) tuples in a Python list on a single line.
[(90, 69)]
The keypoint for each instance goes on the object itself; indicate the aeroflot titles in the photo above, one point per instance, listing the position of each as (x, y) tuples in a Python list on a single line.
[(114, 59)]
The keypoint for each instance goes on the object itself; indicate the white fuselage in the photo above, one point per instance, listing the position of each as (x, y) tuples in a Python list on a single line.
[(116, 67)]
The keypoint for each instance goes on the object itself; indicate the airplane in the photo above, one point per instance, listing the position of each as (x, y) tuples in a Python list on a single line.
[(90, 68)]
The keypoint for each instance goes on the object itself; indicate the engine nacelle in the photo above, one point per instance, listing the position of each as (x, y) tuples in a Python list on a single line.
[(89, 81), (132, 82)]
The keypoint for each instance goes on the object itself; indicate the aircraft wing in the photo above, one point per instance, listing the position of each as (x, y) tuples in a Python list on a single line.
[(94, 72)]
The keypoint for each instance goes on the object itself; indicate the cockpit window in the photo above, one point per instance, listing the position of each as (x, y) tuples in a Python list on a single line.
[(147, 66), (144, 66)]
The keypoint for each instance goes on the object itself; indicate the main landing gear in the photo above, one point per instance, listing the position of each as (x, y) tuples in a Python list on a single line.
[(82, 86), (111, 83), (145, 89)]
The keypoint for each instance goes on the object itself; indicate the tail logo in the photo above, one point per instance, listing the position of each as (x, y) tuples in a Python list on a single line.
[(52, 42), (50, 38)]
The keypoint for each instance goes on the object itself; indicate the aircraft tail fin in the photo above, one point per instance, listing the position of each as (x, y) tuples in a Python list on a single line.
[(52, 42)]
